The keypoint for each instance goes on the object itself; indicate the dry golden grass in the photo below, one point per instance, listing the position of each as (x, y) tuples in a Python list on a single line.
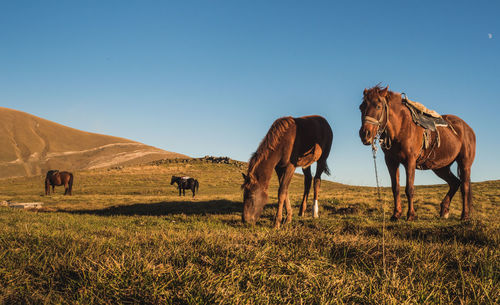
[(126, 237)]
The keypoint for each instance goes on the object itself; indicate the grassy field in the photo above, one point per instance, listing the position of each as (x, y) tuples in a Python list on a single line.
[(126, 237)]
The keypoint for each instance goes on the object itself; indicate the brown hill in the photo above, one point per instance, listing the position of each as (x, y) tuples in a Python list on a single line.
[(30, 145)]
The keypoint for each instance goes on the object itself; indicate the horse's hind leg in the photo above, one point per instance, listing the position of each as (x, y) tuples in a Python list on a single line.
[(307, 188), (320, 168), (453, 182), (193, 189), (66, 188), (464, 174)]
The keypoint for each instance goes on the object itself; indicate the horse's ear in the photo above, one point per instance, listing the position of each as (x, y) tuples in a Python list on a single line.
[(365, 91), (383, 92), (245, 180)]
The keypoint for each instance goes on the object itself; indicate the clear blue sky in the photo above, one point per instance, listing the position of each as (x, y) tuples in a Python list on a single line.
[(210, 77)]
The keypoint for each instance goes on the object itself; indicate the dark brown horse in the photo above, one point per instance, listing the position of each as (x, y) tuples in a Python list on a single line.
[(56, 178), (185, 183), (383, 114), (289, 143)]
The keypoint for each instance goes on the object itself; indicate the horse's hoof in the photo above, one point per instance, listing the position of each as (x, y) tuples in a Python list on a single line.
[(394, 218), (315, 210), (445, 215), (411, 217)]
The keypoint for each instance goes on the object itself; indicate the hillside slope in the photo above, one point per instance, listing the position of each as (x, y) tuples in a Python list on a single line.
[(30, 145)]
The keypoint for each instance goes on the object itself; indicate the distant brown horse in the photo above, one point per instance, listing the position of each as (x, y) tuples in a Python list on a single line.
[(384, 114), (185, 183), (289, 143), (56, 178)]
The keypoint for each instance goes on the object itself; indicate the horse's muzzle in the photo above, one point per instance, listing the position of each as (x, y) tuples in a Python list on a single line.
[(366, 136), (247, 218)]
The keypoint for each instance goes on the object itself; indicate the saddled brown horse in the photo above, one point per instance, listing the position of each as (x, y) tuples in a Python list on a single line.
[(383, 114), (289, 143), (56, 178)]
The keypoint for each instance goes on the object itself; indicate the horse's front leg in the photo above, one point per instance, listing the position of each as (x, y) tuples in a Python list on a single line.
[(410, 179), (180, 191), (393, 167), (285, 177), (289, 210)]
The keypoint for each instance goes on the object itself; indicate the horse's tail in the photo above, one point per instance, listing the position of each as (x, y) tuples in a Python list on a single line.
[(328, 145), (327, 170), (70, 183), (196, 184)]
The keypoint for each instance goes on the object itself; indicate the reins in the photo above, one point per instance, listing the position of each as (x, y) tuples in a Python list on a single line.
[(374, 153)]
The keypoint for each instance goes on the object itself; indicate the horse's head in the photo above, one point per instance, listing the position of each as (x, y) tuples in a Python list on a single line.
[(254, 200), (174, 178), (374, 113), (51, 172)]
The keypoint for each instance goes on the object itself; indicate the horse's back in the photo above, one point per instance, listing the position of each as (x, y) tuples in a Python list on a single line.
[(314, 129), (465, 134), (463, 130), (65, 176)]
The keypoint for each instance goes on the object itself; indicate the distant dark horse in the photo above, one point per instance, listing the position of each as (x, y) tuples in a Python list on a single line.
[(184, 183), (56, 178), (289, 143), (384, 114)]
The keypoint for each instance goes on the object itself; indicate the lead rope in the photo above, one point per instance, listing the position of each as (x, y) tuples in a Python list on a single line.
[(374, 152)]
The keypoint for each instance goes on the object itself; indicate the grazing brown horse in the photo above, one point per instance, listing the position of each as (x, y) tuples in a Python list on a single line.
[(289, 143), (56, 178), (384, 115)]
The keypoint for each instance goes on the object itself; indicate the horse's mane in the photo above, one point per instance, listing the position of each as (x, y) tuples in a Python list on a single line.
[(374, 92), (269, 143)]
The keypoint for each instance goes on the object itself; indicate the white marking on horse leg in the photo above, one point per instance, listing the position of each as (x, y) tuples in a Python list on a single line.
[(446, 215), (315, 209)]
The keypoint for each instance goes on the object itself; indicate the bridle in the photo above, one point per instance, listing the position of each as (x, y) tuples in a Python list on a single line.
[(384, 141)]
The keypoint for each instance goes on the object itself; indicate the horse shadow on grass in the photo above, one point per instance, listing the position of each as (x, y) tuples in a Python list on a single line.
[(164, 208), (471, 232)]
